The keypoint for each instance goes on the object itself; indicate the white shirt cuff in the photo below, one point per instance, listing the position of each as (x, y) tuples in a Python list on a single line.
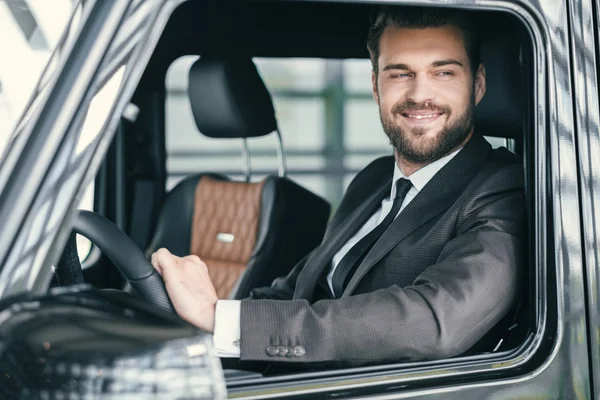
[(226, 337)]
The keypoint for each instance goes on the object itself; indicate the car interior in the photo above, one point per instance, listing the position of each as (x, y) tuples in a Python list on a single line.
[(276, 221)]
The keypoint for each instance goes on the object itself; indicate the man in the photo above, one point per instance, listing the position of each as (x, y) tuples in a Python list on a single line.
[(422, 257)]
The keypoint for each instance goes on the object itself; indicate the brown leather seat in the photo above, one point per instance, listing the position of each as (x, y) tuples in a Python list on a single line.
[(247, 233)]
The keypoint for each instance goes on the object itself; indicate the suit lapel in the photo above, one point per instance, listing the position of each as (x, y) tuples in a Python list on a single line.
[(335, 239), (435, 197)]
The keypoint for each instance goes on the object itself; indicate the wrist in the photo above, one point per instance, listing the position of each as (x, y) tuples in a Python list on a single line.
[(202, 317), (208, 319)]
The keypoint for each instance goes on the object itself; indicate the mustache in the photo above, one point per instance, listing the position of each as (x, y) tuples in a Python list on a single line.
[(410, 105)]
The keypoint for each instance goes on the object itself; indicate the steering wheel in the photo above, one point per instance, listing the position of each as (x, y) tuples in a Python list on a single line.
[(126, 255)]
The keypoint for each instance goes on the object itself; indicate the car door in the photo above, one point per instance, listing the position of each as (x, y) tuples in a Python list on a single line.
[(553, 362)]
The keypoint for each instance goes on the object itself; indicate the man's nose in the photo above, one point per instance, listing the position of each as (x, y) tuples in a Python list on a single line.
[(420, 90)]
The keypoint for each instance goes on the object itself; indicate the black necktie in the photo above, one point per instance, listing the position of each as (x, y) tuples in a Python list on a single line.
[(352, 259)]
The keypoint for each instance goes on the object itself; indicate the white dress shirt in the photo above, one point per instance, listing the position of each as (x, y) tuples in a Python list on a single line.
[(226, 336)]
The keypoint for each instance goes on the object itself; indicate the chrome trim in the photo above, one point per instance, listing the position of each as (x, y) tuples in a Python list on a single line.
[(224, 237), (247, 162), (587, 106)]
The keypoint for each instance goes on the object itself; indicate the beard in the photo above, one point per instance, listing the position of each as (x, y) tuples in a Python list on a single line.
[(413, 146)]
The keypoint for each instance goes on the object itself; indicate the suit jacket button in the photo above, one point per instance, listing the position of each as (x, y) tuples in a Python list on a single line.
[(290, 352), (272, 351), (282, 351), (299, 351)]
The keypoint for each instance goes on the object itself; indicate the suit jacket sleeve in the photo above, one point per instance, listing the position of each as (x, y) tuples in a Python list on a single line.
[(450, 306)]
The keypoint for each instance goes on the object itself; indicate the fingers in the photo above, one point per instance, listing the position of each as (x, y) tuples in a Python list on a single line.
[(163, 256), (167, 264), (155, 263), (163, 259)]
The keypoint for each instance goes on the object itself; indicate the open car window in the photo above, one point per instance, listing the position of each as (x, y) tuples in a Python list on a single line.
[(331, 130)]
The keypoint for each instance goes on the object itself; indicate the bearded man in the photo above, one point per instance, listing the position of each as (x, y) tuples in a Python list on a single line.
[(423, 255)]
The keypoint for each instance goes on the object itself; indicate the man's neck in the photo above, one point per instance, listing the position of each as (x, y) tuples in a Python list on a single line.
[(408, 167)]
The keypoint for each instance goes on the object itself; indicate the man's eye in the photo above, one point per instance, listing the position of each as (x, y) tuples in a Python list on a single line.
[(445, 73), (401, 76)]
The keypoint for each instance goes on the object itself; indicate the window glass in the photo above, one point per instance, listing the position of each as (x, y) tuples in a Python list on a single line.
[(363, 127), (301, 122), (357, 76), (98, 113), (291, 74)]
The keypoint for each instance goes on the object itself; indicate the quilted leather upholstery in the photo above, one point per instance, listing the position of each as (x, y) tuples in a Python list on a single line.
[(225, 207), (289, 222)]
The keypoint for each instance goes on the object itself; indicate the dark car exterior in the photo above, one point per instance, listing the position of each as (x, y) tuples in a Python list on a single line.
[(80, 341)]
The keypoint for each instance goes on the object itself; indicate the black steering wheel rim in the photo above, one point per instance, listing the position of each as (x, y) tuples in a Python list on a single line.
[(126, 255)]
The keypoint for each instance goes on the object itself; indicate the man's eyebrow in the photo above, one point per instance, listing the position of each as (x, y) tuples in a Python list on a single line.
[(435, 64), (395, 66), (449, 61)]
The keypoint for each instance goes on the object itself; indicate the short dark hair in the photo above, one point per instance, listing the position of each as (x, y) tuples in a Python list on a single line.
[(421, 18)]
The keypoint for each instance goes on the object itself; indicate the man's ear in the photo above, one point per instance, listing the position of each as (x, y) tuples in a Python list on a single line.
[(480, 84), (374, 83)]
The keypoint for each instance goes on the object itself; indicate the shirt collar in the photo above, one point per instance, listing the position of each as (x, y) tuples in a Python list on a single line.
[(420, 177)]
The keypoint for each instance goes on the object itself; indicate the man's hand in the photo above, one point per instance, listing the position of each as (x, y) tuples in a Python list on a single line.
[(189, 287)]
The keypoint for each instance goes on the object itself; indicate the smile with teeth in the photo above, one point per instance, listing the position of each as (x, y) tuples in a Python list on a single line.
[(422, 116)]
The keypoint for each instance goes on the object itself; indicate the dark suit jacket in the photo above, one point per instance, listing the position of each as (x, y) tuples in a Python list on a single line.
[(440, 277)]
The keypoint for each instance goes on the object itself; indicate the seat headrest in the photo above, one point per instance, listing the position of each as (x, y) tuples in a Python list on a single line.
[(229, 99), (501, 111)]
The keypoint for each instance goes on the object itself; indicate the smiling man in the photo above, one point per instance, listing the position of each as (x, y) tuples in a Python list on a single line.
[(422, 257)]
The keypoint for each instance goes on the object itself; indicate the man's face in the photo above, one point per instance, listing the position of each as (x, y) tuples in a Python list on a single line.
[(426, 91)]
